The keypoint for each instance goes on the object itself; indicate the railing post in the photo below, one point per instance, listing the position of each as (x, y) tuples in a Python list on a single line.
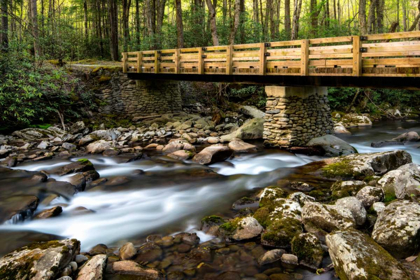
[(262, 58), (304, 58), (176, 60), (156, 65), (200, 61), (357, 57), (124, 62), (229, 52), (139, 62)]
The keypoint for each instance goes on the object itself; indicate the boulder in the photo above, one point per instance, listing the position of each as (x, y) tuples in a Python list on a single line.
[(247, 228), (239, 146), (332, 145), (369, 195), (69, 146), (397, 228), (49, 213), (93, 269), (271, 256), (127, 251), (212, 154), (177, 145), (80, 165), (98, 147), (17, 208), (77, 127), (280, 232), (411, 136), (301, 198), (356, 208), (339, 128), (43, 260), (252, 111), (352, 119), (131, 270), (327, 217), (346, 188), (356, 256), (387, 143), (308, 249), (181, 155), (43, 145), (251, 129), (402, 182)]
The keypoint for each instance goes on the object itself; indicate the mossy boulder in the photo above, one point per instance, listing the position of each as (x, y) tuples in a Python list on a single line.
[(42, 260), (369, 195), (357, 256), (346, 188), (397, 228), (241, 228), (402, 182), (332, 145), (80, 165), (270, 194), (308, 249), (280, 233)]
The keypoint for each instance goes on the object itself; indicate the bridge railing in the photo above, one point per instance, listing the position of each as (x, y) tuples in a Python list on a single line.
[(391, 54)]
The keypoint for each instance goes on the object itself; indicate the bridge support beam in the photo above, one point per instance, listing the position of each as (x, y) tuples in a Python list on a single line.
[(295, 115)]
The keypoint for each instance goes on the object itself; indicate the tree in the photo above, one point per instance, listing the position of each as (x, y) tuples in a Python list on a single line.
[(296, 16), (287, 25), (179, 24), (417, 20), (113, 22), (35, 33), (4, 31), (213, 26), (235, 22), (125, 20), (362, 17)]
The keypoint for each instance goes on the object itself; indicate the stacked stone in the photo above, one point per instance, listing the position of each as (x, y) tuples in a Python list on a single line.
[(296, 115)]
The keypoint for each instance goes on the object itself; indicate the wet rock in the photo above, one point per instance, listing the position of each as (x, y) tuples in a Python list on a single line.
[(131, 270), (62, 188), (251, 129), (356, 256), (411, 136), (80, 259), (39, 178), (402, 182), (369, 195), (397, 228), (81, 165), (148, 253), (111, 152), (346, 188), (188, 238), (271, 256), (381, 144), (247, 228), (213, 140), (332, 145), (212, 154), (239, 146), (327, 217), (353, 119), (177, 145), (252, 111), (98, 147), (49, 213), (308, 249), (17, 208), (378, 207), (300, 186), (301, 198), (116, 181), (77, 127), (93, 269), (68, 146), (43, 145), (181, 155), (211, 224), (127, 251), (10, 161), (339, 128), (98, 249), (43, 260), (356, 208), (245, 202), (289, 261), (280, 232)]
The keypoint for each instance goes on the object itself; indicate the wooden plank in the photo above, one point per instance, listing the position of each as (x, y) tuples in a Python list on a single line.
[(283, 57), (397, 35), (167, 51), (236, 64), (285, 43), (246, 54), (318, 41), (215, 60), (332, 62), (332, 55), (148, 52), (400, 48), (304, 59), (262, 58), (229, 53), (200, 61), (246, 46), (414, 62), (124, 62), (290, 64), (331, 49), (216, 55), (176, 61), (188, 50), (357, 57), (284, 52), (401, 43), (139, 61), (217, 48), (192, 56), (388, 54), (156, 64)]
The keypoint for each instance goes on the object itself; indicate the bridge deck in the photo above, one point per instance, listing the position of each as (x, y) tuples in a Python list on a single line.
[(310, 61)]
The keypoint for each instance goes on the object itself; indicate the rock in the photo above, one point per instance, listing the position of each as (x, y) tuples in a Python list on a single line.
[(252, 111), (98, 249), (289, 260), (49, 213), (17, 208), (332, 145), (118, 180), (381, 144), (11, 161), (43, 145), (397, 228), (212, 154), (356, 256), (77, 127), (98, 147), (68, 146), (43, 260), (301, 198), (93, 269), (353, 119), (245, 202), (340, 129), (131, 270), (271, 256), (80, 259), (402, 182), (239, 146), (346, 188), (369, 195), (285, 208), (181, 155), (300, 186), (378, 207), (247, 228), (127, 251), (356, 208), (62, 188), (80, 165), (361, 165), (327, 217), (280, 232), (308, 249), (148, 253), (65, 278), (251, 129), (213, 140), (210, 224), (176, 145), (411, 136)]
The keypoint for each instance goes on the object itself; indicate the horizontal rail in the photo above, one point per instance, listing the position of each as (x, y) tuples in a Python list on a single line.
[(381, 55)]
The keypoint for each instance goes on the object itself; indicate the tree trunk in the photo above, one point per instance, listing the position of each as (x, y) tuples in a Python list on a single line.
[(125, 22), (235, 22), (256, 9), (224, 11), (150, 22), (113, 22), (314, 12), (287, 25), (4, 35), (371, 17), (380, 16), (362, 17), (296, 16), (416, 20), (268, 7), (160, 14), (242, 21), (404, 16), (179, 24), (213, 25), (35, 33), (85, 18), (137, 22)]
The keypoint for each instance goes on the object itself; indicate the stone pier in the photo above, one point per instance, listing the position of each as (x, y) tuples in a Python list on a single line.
[(295, 115)]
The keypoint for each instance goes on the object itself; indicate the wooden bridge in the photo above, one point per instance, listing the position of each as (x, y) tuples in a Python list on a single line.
[(389, 60)]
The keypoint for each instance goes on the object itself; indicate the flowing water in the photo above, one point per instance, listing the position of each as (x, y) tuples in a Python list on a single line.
[(171, 196)]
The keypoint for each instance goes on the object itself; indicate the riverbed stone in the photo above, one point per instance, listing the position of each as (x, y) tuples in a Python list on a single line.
[(369, 195), (17, 208), (128, 270), (411, 136), (356, 256), (148, 253), (280, 232), (127, 251), (93, 269), (346, 188), (81, 165), (247, 228), (402, 182), (212, 154), (271, 256), (397, 228), (308, 249), (356, 208), (327, 217), (332, 145), (301, 198), (49, 213), (43, 260), (239, 146), (181, 155), (98, 147)]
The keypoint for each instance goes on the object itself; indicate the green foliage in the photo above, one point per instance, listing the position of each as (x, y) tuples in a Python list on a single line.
[(248, 95)]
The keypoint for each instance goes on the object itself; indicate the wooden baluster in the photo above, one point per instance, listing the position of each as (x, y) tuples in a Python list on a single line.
[(357, 57), (262, 59), (304, 58), (229, 53), (176, 60), (124, 62), (139, 62), (200, 61), (156, 65)]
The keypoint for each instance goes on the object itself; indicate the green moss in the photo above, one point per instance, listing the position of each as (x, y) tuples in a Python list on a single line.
[(231, 226), (85, 161), (213, 219), (389, 197), (306, 250), (262, 215), (281, 232), (104, 78), (340, 169)]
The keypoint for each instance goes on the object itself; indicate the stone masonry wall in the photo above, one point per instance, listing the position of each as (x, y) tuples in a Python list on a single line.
[(295, 115), (132, 98)]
